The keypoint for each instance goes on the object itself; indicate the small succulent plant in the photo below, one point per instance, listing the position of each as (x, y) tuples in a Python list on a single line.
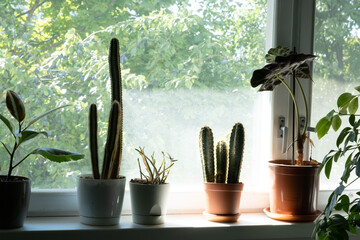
[(228, 160), (22, 133), (155, 175), (113, 146)]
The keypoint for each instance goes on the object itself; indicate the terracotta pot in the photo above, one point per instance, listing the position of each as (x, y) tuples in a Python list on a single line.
[(14, 201), (294, 189), (223, 198), (100, 200), (149, 202)]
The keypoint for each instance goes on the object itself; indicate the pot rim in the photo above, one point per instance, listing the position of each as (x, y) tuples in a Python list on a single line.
[(147, 184), (228, 184), (274, 163), (89, 176), (18, 179)]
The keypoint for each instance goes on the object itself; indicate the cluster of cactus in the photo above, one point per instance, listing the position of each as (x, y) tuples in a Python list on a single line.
[(113, 146), (228, 159)]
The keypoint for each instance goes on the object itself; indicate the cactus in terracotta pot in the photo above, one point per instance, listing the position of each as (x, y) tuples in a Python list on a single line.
[(228, 160), (113, 146)]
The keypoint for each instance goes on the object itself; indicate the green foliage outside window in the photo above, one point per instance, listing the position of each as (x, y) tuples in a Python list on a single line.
[(55, 53)]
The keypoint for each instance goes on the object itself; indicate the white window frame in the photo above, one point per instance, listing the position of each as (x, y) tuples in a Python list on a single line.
[(290, 23)]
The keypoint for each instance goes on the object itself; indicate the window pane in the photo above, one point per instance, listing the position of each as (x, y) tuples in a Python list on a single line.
[(336, 70), (185, 64)]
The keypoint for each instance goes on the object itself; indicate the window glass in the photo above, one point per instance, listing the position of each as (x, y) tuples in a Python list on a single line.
[(185, 64), (336, 70)]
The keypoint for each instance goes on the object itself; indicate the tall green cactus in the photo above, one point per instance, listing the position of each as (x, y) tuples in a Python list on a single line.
[(221, 162), (93, 126), (206, 141), (113, 146), (228, 161), (237, 141)]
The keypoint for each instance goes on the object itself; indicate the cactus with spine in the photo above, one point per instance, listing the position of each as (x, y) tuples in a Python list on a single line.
[(113, 146), (228, 159)]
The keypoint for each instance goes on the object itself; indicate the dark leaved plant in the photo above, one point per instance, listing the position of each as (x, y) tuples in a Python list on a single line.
[(22, 133), (284, 63), (331, 224)]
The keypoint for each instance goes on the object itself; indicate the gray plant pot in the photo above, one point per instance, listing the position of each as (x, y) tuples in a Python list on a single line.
[(149, 202), (100, 200)]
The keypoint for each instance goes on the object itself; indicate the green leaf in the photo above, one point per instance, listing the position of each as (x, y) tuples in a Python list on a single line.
[(283, 66), (330, 115), (15, 105), (339, 190), (322, 127), (353, 106), (328, 167), (57, 155), (344, 99), (357, 170), (7, 123), (336, 122), (342, 136), (352, 120), (27, 135), (357, 88), (43, 115)]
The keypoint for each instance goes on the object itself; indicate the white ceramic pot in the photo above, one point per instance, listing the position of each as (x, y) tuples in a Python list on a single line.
[(100, 200), (149, 202)]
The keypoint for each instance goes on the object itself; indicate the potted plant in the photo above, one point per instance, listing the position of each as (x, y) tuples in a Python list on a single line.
[(294, 182), (100, 195), (149, 193), (339, 225), (222, 186), (15, 190)]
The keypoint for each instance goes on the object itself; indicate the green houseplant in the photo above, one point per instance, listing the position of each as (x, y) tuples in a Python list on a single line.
[(290, 176), (100, 195), (332, 224), (13, 207), (221, 184), (149, 193)]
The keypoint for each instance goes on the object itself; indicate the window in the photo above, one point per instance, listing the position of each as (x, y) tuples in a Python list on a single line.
[(185, 64), (337, 45)]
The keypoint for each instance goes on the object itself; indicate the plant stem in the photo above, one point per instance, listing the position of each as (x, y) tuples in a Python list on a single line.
[(352, 182), (11, 161), (296, 109), (21, 160), (306, 106)]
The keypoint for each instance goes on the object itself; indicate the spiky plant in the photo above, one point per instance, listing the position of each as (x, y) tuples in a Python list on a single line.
[(113, 146), (228, 161), (222, 155), (237, 140), (206, 140), (153, 174)]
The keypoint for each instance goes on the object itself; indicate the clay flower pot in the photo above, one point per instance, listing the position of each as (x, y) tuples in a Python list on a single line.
[(149, 202), (223, 201), (14, 201), (100, 200), (294, 191)]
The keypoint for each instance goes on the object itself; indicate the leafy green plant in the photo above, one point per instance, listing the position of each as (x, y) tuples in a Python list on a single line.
[(23, 134), (113, 146), (228, 160), (330, 224), (155, 175), (284, 63)]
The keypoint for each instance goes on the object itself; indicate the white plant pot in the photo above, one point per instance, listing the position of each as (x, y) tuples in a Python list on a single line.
[(149, 202), (100, 200)]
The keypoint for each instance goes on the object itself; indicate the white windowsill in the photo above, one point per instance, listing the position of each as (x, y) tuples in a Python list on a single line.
[(186, 226)]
